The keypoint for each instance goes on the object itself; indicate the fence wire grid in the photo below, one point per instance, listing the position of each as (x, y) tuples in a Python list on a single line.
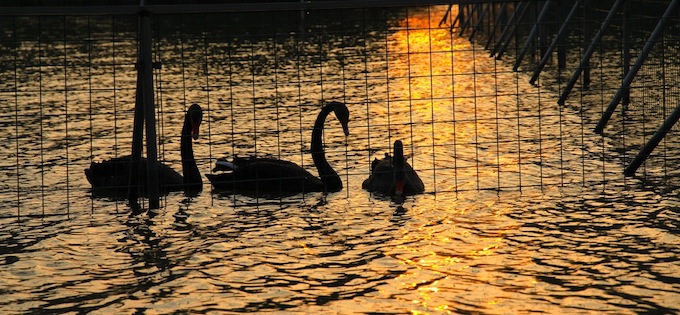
[(438, 77)]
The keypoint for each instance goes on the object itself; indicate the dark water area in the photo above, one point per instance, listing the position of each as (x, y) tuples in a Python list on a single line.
[(525, 209)]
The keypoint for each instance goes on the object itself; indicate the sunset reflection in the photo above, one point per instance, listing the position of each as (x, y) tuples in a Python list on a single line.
[(449, 93), (445, 102), (424, 53)]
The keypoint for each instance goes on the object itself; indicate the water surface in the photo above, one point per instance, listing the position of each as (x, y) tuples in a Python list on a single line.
[(525, 209)]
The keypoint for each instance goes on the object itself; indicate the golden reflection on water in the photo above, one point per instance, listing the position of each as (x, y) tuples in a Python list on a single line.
[(434, 272), (444, 93), (469, 117), (426, 55), (441, 84)]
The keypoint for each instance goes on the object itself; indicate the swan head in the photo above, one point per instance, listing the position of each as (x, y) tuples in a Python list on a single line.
[(195, 116), (398, 149), (342, 114)]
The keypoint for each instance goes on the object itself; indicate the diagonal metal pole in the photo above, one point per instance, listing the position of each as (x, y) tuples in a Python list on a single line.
[(653, 142), (512, 33), (458, 19), (532, 34), (625, 85), (467, 21), (501, 13), (446, 15), (585, 81), (589, 52), (479, 21), (553, 45), (519, 7), (625, 39)]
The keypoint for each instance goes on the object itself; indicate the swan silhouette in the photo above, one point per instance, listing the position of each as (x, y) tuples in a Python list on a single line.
[(393, 175), (113, 175), (270, 176)]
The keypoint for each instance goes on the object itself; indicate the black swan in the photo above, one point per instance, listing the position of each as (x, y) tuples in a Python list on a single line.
[(393, 175), (270, 176), (113, 175)]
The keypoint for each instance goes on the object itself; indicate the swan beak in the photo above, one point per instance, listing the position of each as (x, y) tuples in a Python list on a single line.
[(194, 132), (345, 129), (399, 188)]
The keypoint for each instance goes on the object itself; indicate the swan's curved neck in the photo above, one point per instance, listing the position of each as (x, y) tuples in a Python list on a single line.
[(192, 177), (398, 162), (330, 178)]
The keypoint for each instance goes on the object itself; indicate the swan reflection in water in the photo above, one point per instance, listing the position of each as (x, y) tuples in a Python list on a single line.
[(267, 176)]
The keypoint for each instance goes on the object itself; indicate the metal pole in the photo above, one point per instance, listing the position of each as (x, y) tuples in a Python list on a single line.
[(501, 13), (507, 27), (446, 15), (562, 48), (459, 17), (653, 142), (512, 33), (627, 57), (636, 67), (532, 34), (553, 45), (469, 19), (479, 21), (137, 139), (149, 112), (585, 60), (586, 30)]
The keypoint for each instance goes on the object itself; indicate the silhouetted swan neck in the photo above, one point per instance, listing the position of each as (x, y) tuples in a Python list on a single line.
[(273, 177), (113, 175), (393, 175)]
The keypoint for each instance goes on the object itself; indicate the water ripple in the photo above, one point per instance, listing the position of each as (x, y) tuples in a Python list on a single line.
[(522, 212)]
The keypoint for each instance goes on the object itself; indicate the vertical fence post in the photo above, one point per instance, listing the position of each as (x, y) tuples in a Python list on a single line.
[(137, 138), (623, 89), (149, 110), (562, 40), (459, 17)]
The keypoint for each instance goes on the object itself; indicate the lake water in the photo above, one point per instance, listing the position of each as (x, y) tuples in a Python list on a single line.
[(525, 210)]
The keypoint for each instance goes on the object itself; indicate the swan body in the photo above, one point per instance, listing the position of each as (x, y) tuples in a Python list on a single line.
[(262, 175), (270, 176), (393, 176), (113, 175)]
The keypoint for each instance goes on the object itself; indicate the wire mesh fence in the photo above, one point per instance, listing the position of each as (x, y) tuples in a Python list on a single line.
[(648, 101), (420, 74)]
